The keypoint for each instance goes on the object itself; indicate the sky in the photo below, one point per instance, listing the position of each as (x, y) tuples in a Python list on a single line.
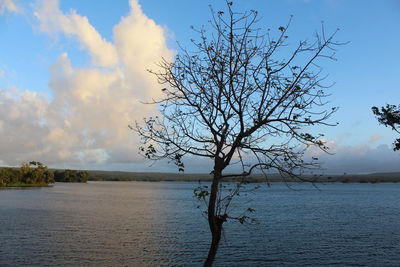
[(73, 76)]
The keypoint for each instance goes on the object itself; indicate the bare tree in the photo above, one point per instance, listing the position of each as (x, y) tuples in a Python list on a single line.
[(238, 97), (390, 117)]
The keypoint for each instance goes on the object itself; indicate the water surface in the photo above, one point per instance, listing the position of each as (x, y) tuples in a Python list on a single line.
[(145, 223)]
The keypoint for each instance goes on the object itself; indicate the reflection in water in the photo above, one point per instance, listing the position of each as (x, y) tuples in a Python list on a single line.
[(141, 223)]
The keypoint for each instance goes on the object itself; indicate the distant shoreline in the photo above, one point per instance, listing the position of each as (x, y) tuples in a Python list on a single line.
[(95, 175), (22, 185)]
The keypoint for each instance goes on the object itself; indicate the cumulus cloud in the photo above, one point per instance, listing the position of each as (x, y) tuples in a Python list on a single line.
[(84, 122), (53, 21), (8, 5)]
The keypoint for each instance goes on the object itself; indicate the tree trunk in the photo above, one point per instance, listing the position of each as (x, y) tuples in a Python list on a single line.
[(216, 237), (214, 222)]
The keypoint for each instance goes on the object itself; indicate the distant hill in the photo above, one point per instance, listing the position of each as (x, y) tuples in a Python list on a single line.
[(144, 176), (95, 175)]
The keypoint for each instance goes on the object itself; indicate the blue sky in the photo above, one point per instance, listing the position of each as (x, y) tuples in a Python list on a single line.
[(53, 61)]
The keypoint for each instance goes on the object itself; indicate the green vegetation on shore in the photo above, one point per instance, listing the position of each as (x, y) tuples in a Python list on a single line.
[(12, 177), (32, 174), (95, 175), (35, 174), (71, 176)]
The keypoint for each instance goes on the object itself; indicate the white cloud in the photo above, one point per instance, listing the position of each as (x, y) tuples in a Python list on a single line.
[(8, 5), (53, 21), (20, 130), (86, 121), (358, 159)]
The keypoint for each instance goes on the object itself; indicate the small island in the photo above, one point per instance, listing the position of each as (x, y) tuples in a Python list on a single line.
[(36, 174), (32, 174)]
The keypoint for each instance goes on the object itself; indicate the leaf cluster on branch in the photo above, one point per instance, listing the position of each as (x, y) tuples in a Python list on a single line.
[(390, 117)]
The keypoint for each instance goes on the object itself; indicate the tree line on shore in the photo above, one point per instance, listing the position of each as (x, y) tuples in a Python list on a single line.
[(71, 176), (35, 173)]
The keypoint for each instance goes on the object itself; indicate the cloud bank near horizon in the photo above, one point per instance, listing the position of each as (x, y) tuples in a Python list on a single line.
[(84, 122), (358, 159)]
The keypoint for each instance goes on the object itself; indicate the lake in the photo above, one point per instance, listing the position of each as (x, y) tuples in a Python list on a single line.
[(158, 224)]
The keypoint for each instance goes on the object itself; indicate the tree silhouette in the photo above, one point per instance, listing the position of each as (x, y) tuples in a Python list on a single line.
[(234, 97), (390, 117)]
